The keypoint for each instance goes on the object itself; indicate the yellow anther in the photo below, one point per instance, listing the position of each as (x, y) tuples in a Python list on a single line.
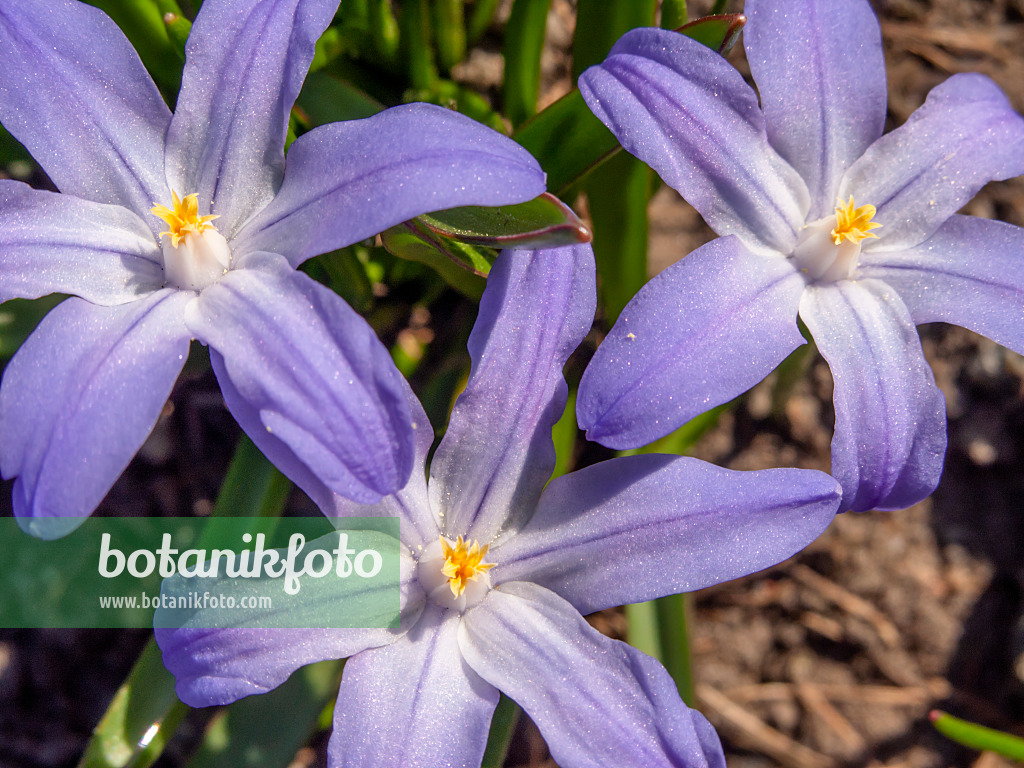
[(463, 563), (852, 223), (184, 219)]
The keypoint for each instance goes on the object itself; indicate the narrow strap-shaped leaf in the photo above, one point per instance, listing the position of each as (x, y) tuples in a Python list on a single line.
[(480, 19), (416, 36), (977, 736), (673, 14), (449, 32), (524, 43), (503, 724)]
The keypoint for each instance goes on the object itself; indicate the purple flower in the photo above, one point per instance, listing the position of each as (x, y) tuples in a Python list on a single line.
[(498, 569), (173, 227), (821, 215)]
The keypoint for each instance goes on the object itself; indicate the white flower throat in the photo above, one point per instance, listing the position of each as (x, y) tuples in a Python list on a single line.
[(195, 253), (829, 249)]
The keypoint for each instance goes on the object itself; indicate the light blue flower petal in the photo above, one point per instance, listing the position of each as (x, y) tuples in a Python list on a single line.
[(411, 504), (700, 333), (890, 434), (216, 664), (245, 63), (965, 135), (72, 421), (413, 703), (636, 528), (219, 666), (819, 70), (497, 453), (597, 701), (348, 181), (51, 243), (969, 273), (685, 111), (314, 372), (74, 92)]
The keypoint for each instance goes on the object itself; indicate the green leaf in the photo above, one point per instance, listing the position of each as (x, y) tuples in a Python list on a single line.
[(673, 14), (449, 31), (503, 724), (416, 36), (266, 731), (568, 141), (451, 95), (719, 32), (618, 193), (141, 718), (480, 19), (461, 266), (544, 221), (524, 43), (977, 736), (599, 24), (326, 99), (19, 317)]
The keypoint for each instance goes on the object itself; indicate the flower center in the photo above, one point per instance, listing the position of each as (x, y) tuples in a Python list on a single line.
[(829, 249), (454, 574), (853, 224), (463, 563), (195, 253)]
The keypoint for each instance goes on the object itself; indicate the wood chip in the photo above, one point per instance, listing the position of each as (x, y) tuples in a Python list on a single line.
[(754, 733)]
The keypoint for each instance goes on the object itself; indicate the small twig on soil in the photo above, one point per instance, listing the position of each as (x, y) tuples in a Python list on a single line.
[(756, 734), (814, 701), (881, 695), (847, 601)]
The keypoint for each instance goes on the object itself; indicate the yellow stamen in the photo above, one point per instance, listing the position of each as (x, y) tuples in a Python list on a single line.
[(852, 223), (184, 219), (463, 563)]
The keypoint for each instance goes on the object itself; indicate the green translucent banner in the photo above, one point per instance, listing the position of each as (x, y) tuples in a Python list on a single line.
[(306, 572)]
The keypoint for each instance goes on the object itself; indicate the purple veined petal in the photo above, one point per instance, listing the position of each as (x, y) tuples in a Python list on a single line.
[(819, 69), (76, 95), (219, 666), (244, 65), (497, 453), (686, 112), (890, 438), (80, 397), (52, 243), (597, 701), (969, 273), (414, 703), (315, 374), (660, 525), (348, 181), (964, 135), (411, 504), (700, 333)]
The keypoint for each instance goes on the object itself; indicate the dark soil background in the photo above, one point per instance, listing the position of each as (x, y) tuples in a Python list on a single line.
[(831, 659)]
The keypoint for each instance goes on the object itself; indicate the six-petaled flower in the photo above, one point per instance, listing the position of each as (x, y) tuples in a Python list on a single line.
[(822, 216)]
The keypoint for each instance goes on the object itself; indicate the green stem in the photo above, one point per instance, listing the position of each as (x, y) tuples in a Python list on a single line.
[(450, 32), (643, 628), (480, 19), (674, 616), (524, 43)]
